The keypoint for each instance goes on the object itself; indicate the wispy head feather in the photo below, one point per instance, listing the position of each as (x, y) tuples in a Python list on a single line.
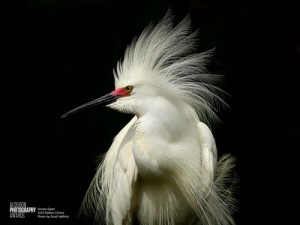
[(167, 54)]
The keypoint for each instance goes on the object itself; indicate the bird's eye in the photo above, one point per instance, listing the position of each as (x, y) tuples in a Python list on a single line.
[(128, 89)]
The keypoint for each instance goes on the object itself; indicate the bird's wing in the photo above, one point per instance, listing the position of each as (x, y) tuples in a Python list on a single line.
[(208, 152), (110, 191), (122, 141), (200, 191), (123, 176), (218, 204)]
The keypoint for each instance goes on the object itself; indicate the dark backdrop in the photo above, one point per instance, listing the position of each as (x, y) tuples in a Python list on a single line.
[(59, 54)]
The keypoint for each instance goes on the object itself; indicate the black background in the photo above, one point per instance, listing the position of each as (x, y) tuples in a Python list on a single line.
[(57, 55)]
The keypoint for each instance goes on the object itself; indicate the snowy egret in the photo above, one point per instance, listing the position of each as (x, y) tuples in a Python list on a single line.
[(162, 167)]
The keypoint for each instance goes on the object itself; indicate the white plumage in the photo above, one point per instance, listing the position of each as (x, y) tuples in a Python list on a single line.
[(162, 168)]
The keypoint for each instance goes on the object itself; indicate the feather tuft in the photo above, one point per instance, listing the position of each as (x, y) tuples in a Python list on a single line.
[(167, 54)]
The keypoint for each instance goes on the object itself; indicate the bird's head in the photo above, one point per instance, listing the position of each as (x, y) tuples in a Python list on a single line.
[(161, 66), (133, 96), (117, 99)]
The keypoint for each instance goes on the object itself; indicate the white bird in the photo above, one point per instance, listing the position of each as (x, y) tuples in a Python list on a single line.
[(162, 167)]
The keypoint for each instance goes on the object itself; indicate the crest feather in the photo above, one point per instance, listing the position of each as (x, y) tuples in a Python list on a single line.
[(169, 53)]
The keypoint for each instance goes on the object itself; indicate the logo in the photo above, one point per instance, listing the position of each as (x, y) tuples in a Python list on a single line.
[(19, 209)]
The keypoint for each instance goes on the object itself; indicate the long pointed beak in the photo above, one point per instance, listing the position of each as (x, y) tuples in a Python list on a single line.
[(102, 101)]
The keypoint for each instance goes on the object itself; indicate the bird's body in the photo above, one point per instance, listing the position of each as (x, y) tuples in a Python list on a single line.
[(149, 168), (162, 168)]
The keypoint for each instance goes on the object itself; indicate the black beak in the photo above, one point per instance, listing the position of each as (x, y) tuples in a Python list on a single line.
[(102, 101)]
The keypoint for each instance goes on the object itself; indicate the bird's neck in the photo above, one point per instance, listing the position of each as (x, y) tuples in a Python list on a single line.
[(166, 121), (159, 132)]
